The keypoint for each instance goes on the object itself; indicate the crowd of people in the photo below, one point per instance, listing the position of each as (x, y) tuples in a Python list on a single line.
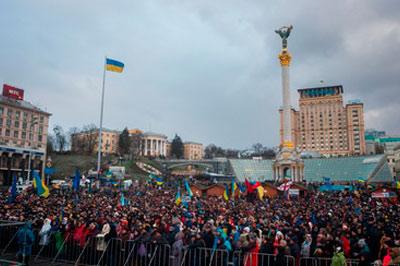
[(336, 225)]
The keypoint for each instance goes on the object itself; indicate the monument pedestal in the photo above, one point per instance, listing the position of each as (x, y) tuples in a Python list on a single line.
[(288, 164)]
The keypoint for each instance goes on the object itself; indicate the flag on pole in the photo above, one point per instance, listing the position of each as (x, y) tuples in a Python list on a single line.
[(226, 193), (114, 65), (77, 180), (41, 188), (178, 198), (188, 189), (122, 200), (242, 187), (157, 179), (234, 187), (285, 186), (13, 192), (251, 186), (260, 192)]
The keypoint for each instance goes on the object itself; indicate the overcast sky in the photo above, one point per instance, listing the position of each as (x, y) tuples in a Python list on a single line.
[(207, 70)]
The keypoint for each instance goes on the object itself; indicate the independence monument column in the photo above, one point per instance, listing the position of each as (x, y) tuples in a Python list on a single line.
[(288, 163)]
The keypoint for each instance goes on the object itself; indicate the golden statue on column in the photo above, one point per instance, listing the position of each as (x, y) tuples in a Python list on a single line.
[(288, 164)]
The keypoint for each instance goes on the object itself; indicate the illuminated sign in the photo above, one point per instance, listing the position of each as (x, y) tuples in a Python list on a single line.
[(12, 92)]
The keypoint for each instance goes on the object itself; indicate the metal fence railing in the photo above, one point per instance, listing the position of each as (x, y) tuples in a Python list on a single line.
[(316, 261), (201, 257), (261, 259)]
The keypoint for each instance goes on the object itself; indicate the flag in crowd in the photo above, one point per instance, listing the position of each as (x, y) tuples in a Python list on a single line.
[(159, 180), (188, 189), (114, 65), (122, 200), (285, 186), (234, 187), (13, 192), (178, 198), (251, 186), (260, 192), (77, 180), (41, 188), (226, 193)]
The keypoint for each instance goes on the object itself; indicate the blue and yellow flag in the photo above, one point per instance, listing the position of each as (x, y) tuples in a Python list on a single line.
[(178, 199), (189, 191), (226, 193), (398, 184), (159, 180), (234, 187), (260, 192), (41, 188), (114, 65)]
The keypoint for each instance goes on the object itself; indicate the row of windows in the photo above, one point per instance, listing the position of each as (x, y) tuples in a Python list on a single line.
[(17, 115), (17, 134)]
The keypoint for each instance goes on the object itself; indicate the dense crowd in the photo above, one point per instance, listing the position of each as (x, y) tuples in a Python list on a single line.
[(338, 224)]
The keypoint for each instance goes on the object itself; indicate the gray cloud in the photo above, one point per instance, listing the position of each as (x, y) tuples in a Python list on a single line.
[(206, 70)]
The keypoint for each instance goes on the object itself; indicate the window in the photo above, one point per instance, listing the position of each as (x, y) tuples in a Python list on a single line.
[(16, 124), (8, 123), (7, 132), (41, 119), (1, 110), (9, 112), (24, 125), (1, 122), (23, 136), (17, 115), (16, 133)]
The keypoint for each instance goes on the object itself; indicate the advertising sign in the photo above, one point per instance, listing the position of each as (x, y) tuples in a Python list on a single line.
[(12, 92), (294, 192)]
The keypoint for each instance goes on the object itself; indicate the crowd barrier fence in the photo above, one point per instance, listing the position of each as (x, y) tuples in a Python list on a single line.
[(316, 261), (116, 252)]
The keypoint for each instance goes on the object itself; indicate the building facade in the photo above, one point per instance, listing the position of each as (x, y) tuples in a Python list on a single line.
[(23, 136), (87, 141), (193, 151), (154, 144), (325, 125)]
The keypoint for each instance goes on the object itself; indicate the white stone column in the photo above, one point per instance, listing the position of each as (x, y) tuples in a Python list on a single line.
[(287, 125)]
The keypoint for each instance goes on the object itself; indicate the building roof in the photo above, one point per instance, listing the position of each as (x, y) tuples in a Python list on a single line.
[(21, 104), (191, 142), (342, 169), (153, 134)]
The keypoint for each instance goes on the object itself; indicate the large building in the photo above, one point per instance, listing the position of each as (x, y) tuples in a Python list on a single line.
[(23, 135), (87, 141), (324, 124), (154, 144), (193, 151)]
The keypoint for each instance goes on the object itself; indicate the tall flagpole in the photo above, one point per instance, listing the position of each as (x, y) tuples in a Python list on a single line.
[(101, 121)]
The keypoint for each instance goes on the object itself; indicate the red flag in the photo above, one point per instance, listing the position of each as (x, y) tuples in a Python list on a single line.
[(251, 186)]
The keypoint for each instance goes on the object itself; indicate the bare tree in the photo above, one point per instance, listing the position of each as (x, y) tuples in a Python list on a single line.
[(136, 146), (90, 137), (60, 138)]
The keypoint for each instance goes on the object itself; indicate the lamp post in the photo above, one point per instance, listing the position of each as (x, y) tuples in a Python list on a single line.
[(34, 122)]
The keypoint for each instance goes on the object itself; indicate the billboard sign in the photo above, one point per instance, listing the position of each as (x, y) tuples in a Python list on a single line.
[(12, 92)]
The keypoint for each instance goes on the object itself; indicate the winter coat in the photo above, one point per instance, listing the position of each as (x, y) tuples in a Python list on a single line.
[(338, 259)]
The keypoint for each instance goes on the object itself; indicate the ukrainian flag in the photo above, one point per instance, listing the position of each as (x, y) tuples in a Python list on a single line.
[(234, 187), (114, 65), (226, 193), (41, 188), (178, 198)]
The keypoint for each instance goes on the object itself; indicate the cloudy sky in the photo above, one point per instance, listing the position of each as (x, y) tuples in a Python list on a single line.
[(207, 70)]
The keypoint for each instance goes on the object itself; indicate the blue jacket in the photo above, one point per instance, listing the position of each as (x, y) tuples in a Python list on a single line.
[(25, 239)]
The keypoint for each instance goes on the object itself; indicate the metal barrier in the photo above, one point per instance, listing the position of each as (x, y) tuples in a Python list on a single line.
[(201, 257), (316, 261), (147, 254), (261, 259), (69, 251)]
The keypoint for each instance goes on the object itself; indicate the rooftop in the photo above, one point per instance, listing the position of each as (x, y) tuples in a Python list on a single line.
[(342, 169), (21, 104)]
